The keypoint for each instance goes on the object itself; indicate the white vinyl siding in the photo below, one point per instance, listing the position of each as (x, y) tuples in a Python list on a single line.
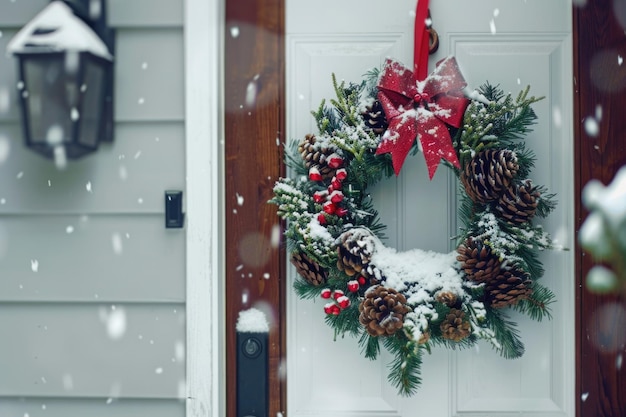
[(92, 285)]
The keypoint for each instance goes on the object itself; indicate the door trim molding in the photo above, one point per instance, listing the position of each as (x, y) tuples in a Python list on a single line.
[(204, 173)]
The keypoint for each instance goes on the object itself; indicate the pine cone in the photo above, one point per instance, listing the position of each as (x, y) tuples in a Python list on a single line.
[(455, 327), (477, 261), (508, 288), (354, 251), (518, 204), (374, 118), (308, 269), (488, 174), (446, 297), (382, 311), (316, 155)]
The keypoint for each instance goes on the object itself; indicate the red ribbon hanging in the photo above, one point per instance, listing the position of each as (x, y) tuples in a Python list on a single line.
[(420, 40), (421, 109)]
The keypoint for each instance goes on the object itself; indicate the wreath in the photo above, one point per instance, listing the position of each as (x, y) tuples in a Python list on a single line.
[(412, 301)]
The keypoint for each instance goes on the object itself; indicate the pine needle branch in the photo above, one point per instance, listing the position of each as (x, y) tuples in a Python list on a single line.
[(404, 369), (537, 305), (506, 334), (346, 322), (370, 346)]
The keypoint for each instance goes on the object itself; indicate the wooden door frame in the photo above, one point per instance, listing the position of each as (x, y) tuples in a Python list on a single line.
[(254, 136), (599, 386), (253, 172)]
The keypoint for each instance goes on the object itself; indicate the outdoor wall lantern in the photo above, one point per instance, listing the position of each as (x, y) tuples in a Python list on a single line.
[(65, 79)]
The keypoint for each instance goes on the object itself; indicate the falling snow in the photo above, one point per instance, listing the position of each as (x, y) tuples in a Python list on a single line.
[(591, 127), (116, 242), (114, 321), (251, 91)]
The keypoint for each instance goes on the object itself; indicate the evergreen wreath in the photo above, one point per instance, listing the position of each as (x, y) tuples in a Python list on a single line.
[(412, 301)]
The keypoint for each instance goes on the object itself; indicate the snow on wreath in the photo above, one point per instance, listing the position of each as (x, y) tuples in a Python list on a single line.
[(413, 301)]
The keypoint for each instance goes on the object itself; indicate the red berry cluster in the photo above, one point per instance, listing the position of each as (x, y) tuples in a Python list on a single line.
[(340, 301), (331, 198), (355, 284)]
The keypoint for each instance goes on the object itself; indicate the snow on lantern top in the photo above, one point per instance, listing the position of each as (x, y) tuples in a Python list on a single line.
[(252, 321), (57, 28)]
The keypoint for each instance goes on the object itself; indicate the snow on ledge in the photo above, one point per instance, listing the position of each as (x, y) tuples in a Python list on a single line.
[(62, 30), (252, 321)]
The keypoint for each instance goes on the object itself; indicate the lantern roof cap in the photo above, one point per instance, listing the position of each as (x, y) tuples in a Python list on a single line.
[(57, 28)]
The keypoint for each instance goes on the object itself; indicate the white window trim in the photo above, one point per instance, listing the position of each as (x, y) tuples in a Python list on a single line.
[(204, 219)]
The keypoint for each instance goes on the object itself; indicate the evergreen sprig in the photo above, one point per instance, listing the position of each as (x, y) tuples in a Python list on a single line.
[(537, 305), (304, 290), (347, 322), (405, 367), (507, 341), (370, 346), (495, 120), (346, 101)]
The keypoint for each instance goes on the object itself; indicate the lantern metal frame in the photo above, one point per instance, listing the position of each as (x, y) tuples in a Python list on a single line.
[(86, 62)]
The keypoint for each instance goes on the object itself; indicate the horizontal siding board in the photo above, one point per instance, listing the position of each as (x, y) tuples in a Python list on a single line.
[(62, 353), (100, 407), (149, 81), (91, 258), (141, 13), (15, 13), (128, 176), (92, 350)]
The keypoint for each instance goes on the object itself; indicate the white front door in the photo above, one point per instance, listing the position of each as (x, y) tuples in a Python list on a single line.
[(513, 44)]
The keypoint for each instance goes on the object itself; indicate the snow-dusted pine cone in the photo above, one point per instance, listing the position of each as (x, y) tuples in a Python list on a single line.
[(446, 297), (316, 155), (382, 311), (488, 174), (518, 203), (508, 288), (454, 326), (354, 252), (308, 269), (478, 262), (374, 118)]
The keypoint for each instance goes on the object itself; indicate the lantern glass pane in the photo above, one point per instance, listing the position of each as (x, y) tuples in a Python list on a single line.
[(48, 98), (92, 103)]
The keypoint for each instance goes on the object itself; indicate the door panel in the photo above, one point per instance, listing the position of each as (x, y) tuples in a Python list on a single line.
[(515, 44)]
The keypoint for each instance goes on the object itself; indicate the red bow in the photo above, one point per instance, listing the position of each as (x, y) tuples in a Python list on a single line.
[(421, 108)]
